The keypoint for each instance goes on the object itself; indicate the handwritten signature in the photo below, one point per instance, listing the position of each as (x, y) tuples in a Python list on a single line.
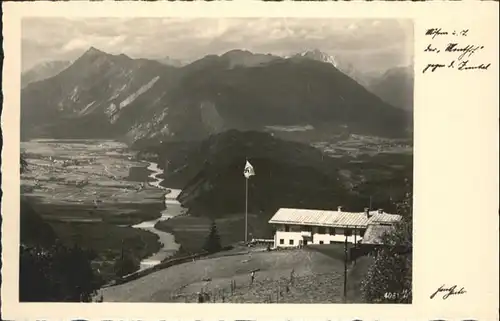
[(449, 291)]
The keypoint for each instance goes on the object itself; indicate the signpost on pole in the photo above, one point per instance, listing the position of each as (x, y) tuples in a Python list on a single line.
[(247, 172), (246, 210)]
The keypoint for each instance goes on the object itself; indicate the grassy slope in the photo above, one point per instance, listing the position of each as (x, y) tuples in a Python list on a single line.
[(318, 279), (356, 274), (356, 270), (188, 278)]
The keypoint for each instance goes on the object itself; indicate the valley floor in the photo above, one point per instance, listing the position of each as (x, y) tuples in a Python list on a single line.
[(99, 213)]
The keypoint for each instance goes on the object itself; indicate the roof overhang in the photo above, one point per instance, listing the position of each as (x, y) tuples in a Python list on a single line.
[(318, 224)]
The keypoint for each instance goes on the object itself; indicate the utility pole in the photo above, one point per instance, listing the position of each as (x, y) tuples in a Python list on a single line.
[(122, 259), (246, 210), (345, 270)]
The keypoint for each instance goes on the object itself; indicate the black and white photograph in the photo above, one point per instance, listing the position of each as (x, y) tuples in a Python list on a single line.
[(216, 160)]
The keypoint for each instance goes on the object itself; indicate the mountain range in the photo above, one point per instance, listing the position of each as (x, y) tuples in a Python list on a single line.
[(43, 71), (395, 87), (114, 96), (169, 61)]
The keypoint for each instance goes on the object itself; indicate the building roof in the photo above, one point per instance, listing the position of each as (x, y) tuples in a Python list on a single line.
[(374, 233), (331, 218)]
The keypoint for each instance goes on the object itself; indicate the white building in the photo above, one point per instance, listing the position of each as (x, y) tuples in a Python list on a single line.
[(296, 227)]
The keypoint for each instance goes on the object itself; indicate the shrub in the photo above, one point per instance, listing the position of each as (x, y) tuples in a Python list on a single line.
[(389, 278), (57, 274)]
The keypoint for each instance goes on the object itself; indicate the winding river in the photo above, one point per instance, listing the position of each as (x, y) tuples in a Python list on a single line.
[(105, 166), (172, 208)]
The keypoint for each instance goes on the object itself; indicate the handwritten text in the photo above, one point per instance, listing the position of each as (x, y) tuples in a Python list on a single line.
[(453, 50), (448, 291)]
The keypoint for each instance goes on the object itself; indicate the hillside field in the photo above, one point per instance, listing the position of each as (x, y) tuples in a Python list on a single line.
[(318, 278)]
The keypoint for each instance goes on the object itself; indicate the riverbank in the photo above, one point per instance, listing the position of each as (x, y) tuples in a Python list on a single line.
[(169, 247)]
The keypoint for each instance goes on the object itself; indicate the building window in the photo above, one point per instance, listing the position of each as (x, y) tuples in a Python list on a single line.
[(348, 232), (305, 242), (307, 228), (282, 241), (321, 230), (290, 242), (332, 231), (320, 242), (287, 228)]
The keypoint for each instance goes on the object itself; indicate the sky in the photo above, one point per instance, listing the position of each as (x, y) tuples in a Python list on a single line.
[(364, 43)]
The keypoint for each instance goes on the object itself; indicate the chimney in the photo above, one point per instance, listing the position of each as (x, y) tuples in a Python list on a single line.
[(380, 211), (367, 212), (339, 208)]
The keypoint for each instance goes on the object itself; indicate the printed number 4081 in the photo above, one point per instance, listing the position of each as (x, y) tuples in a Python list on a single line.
[(397, 295)]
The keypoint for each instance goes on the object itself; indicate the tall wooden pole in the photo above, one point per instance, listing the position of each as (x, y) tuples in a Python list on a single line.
[(345, 269), (246, 210), (122, 259)]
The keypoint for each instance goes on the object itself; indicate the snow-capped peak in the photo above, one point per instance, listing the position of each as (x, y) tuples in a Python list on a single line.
[(318, 55)]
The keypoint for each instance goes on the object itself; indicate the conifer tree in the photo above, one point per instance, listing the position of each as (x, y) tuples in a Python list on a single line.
[(212, 244), (125, 265)]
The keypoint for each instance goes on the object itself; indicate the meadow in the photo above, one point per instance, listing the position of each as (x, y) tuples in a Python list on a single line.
[(317, 278)]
